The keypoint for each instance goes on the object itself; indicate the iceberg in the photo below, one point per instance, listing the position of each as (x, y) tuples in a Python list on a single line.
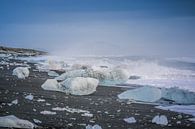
[(153, 94), (12, 121), (21, 72), (179, 96), (144, 94), (160, 120), (106, 77), (79, 85)]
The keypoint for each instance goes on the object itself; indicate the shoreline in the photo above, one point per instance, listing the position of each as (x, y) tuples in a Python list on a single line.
[(107, 110)]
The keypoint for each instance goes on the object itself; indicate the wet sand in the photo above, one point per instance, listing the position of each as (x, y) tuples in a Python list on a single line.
[(107, 110)]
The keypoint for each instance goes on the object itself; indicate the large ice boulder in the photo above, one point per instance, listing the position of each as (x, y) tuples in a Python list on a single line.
[(79, 85), (179, 96), (74, 86), (153, 94), (105, 77), (12, 121), (51, 84), (144, 94), (21, 72)]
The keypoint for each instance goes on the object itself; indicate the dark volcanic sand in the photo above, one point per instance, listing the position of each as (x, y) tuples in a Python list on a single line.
[(107, 111)]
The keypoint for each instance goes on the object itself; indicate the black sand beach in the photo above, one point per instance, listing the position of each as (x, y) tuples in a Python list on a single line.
[(107, 110)]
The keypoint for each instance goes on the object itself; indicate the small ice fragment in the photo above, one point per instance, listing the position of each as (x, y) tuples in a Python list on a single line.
[(96, 126), (37, 121), (48, 104), (130, 120), (87, 114), (71, 110), (15, 101), (29, 97), (40, 100), (53, 74), (160, 120), (192, 119), (48, 113)]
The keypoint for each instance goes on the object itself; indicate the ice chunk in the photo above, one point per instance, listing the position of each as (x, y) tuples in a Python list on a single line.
[(160, 120), (75, 86), (71, 110), (51, 84), (96, 126), (192, 119), (180, 96), (29, 97), (74, 110), (144, 94), (130, 120), (87, 114), (21, 72), (53, 74), (48, 113), (79, 85), (105, 76), (40, 100), (12, 121), (13, 102), (37, 121), (187, 109)]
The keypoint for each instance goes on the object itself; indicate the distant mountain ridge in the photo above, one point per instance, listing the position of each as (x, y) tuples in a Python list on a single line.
[(21, 51)]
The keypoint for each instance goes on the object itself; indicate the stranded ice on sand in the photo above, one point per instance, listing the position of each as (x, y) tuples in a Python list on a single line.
[(144, 94), (29, 97), (96, 126), (74, 86), (160, 120), (80, 85), (153, 94), (21, 72), (130, 120), (12, 121)]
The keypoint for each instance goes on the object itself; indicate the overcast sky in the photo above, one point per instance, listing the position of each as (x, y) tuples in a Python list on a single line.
[(100, 27)]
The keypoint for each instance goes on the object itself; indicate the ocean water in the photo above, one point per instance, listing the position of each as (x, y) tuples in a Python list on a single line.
[(152, 71)]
